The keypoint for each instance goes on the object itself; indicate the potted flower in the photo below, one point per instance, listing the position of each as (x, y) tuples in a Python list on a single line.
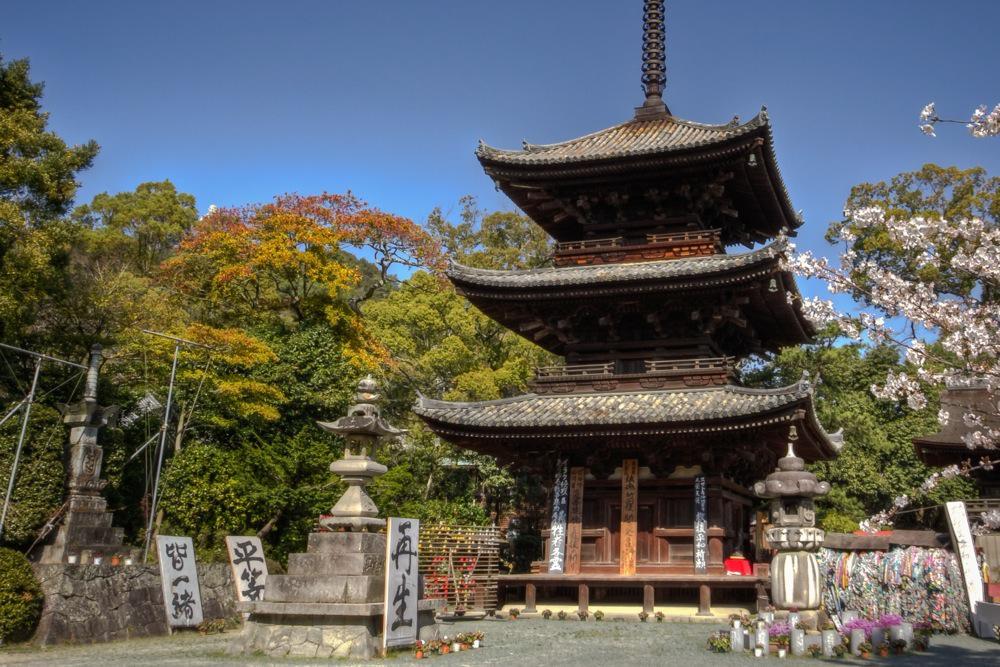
[(758, 651), (865, 649), (660, 616), (582, 614), (514, 613), (562, 614), (598, 615), (418, 650), (718, 642), (736, 620), (782, 642), (883, 650), (814, 650), (840, 650), (547, 614), (643, 615), (899, 646)]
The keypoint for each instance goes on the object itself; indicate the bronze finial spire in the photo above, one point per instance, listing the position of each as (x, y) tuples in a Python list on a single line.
[(654, 60)]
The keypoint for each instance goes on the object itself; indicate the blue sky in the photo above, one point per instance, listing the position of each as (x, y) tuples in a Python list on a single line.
[(238, 101)]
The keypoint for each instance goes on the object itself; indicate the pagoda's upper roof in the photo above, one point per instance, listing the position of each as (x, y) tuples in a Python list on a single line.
[(630, 413), (707, 269), (648, 155), (633, 138)]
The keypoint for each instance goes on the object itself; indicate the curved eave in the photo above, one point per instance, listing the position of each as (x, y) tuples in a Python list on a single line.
[(532, 419), (731, 144), (560, 282), (684, 135)]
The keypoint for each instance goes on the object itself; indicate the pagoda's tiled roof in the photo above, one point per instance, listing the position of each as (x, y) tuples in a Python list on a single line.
[(630, 139), (701, 267), (654, 407)]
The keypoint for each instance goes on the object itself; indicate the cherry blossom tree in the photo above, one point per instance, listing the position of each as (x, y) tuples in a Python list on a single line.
[(983, 123), (942, 312)]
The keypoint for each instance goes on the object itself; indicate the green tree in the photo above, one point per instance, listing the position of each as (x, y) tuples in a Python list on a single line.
[(878, 462), (931, 192), (497, 240), (38, 180), (136, 231)]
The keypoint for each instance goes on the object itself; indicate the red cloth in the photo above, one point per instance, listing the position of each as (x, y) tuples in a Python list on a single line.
[(740, 566)]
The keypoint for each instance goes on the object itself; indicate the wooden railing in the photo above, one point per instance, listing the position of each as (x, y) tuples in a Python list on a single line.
[(590, 244), (706, 235), (574, 371), (690, 365)]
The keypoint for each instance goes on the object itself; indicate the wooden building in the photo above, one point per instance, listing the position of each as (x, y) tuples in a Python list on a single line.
[(650, 442)]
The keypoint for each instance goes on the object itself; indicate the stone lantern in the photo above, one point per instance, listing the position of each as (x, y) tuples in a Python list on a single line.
[(331, 601), (795, 577), (362, 428)]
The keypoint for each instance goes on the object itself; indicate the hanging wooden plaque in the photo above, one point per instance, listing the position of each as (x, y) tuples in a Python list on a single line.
[(630, 511), (574, 526)]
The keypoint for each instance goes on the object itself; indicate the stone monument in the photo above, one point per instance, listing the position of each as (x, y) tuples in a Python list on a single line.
[(331, 602), (795, 577), (86, 533)]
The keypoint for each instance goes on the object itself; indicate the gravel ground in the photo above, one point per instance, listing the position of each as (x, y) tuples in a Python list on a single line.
[(526, 641)]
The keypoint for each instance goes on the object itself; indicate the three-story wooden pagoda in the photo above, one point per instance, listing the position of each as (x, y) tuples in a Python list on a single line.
[(651, 442)]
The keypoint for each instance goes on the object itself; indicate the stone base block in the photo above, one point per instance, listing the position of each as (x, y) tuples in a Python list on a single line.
[(280, 635), (343, 543), (328, 588), (284, 635), (330, 563)]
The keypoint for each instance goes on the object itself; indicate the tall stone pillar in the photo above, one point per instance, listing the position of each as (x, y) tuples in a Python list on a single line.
[(795, 577), (85, 531)]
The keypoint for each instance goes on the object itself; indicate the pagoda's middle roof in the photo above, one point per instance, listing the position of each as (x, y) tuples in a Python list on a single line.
[(633, 138), (703, 268)]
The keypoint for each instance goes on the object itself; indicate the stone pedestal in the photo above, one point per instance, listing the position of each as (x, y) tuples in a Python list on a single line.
[(86, 532), (330, 603)]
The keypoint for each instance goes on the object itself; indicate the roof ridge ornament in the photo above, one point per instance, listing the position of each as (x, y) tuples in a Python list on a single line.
[(654, 61)]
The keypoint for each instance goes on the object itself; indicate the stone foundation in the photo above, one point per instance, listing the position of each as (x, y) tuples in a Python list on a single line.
[(328, 605), (322, 635), (99, 603)]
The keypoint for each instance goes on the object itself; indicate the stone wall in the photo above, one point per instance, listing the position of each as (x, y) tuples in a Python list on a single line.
[(98, 603)]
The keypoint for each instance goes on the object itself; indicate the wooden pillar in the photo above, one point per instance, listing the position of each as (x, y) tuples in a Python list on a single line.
[(529, 598), (648, 598), (574, 521), (583, 597), (704, 600), (630, 511)]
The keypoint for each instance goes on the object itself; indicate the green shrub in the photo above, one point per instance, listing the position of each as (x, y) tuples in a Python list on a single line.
[(20, 597)]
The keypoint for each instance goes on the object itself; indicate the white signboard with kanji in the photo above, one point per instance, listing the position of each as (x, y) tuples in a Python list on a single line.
[(246, 558), (965, 549), (179, 575), (401, 583)]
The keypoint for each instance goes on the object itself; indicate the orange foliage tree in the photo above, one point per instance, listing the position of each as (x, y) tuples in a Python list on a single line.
[(289, 261)]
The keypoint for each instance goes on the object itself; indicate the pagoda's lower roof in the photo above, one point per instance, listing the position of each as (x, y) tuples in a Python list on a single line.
[(701, 271), (634, 413)]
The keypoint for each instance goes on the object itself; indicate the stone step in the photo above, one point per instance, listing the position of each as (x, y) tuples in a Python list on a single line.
[(102, 519), (333, 563), (346, 543), (110, 535), (324, 588)]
